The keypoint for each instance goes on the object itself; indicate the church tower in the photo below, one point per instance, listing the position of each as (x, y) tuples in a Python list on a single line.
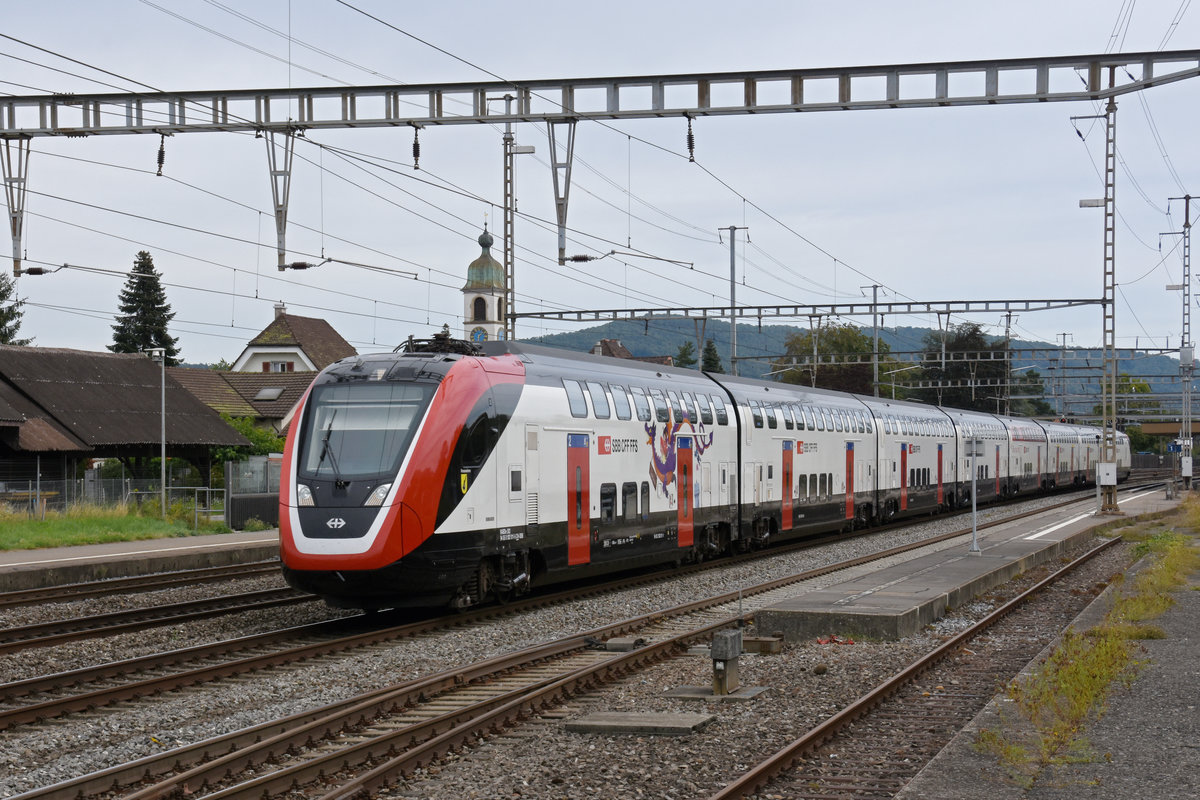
[(483, 295)]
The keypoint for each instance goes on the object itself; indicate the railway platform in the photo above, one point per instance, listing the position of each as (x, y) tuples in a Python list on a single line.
[(900, 600), (26, 569), (1143, 746)]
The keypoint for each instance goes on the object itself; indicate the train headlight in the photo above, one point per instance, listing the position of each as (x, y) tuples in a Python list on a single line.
[(303, 495), (379, 495)]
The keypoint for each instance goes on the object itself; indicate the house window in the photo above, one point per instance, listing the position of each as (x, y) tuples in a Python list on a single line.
[(279, 366), (479, 310)]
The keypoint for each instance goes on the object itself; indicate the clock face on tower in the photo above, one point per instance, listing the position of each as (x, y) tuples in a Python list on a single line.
[(479, 335)]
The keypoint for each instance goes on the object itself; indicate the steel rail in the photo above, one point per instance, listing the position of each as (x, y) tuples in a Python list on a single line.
[(266, 737), (43, 634), (108, 694), (139, 583), (758, 777)]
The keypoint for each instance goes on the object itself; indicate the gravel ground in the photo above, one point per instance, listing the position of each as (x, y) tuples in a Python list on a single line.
[(807, 683), (89, 742)]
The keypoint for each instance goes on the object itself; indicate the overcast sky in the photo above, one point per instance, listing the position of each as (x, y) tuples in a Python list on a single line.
[(934, 204)]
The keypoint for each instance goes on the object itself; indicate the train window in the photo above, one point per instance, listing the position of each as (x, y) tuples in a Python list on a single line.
[(822, 418), (812, 488), (475, 441), (786, 410), (578, 498), (639, 402), (808, 418), (629, 504), (798, 413), (620, 401), (514, 480), (660, 406), (770, 472), (837, 420), (912, 474), (756, 412), (927, 476), (719, 405), (685, 490), (861, 426), (608, 503), (772, 416), (575, 398), (676, 411), (599, 400), (868, 417), (706, 414), (822, 485), (645, 503), (689, 404)]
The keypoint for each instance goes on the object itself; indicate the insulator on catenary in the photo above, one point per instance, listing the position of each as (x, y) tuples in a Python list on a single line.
[(416, 148), (162, 153), (691, 142)]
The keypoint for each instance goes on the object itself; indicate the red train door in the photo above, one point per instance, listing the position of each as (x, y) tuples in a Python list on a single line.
[(940, 495), (685, 480), (787, 486), (578, 504), (849, 480), (903, 477)]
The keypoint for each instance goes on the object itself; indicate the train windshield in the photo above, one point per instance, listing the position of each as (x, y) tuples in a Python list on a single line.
[(361, 430)]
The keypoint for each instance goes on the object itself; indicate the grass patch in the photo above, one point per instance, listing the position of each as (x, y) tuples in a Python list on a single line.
[(84, 524), (1050, 708)]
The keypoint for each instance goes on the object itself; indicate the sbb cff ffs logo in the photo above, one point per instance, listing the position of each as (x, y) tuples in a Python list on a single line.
[(607, 445)]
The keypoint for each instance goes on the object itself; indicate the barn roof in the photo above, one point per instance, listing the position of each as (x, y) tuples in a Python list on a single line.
[(105, 400)]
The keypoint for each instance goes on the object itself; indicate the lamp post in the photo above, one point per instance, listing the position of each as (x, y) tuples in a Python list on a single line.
[(159, 354)]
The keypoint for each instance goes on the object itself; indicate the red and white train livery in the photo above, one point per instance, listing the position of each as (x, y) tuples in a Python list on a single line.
[(446, 478)]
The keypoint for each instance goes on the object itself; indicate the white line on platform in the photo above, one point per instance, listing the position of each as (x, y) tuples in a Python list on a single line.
[(1136, 496), (1053, 528), (138, 552)]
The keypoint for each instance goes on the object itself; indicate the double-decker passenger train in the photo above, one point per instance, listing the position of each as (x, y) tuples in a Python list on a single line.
[(449, 475)]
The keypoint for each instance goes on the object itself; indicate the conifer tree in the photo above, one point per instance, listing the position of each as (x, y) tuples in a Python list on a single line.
[(685, 356), (144, 313), (10, 313), (710, 359)]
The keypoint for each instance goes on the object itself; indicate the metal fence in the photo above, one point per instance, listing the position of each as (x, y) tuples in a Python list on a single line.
[(37, 498), (253, 491)]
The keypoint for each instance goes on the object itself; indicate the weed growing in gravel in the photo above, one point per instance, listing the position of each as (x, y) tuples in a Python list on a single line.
[(1055, 703)]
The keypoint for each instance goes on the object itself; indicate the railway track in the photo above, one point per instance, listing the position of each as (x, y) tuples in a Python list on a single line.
[(138, 583), (874, 746), (49, 633), (391, 732), (50, 696)]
